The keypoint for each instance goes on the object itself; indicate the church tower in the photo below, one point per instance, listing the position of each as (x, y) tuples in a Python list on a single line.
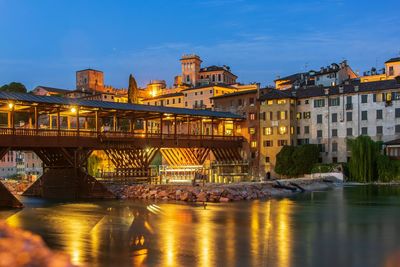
[(190, 69)]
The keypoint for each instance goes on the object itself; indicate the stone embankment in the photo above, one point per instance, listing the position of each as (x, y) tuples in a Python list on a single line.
[(20, 248), (219, 192)]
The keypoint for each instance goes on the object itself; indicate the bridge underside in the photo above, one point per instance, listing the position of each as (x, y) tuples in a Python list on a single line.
[(65, 176)]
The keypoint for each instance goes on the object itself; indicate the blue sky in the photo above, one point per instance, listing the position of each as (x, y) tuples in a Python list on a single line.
[(43, 42)]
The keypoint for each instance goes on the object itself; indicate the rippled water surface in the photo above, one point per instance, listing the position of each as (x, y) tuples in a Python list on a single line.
[(351, 226)]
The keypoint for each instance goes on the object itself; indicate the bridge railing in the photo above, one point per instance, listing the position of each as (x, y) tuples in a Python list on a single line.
[(110, 134)]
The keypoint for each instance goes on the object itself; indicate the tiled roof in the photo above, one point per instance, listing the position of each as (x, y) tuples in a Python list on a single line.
[(395, 59), (54, 90), (315, 91), (164, 96), (209, 86), (241, 92), (56, 100)]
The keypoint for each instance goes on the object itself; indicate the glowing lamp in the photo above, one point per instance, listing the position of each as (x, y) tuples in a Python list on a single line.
[(73, 110), (10, 105)]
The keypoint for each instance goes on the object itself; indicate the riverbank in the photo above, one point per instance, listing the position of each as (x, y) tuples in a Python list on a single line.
[(222, 192), (21, 248)]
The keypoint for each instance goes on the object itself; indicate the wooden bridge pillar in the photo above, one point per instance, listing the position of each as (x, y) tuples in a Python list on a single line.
[(65, 176), (185, 156), (132, 162)]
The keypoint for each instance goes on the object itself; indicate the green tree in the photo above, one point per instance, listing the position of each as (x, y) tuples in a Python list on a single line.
[(304, 157), (284, 161), (13, 87), (132, 90), (93, 165), (388, 170), (364, 153)]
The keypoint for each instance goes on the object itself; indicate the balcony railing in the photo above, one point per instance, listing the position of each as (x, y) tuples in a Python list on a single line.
[(110, 135)]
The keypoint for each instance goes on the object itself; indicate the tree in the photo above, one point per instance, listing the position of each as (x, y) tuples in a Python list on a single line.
[(304, 157), (132, 91), (388, 170), (13, 87), (284, 161), (364, 153)]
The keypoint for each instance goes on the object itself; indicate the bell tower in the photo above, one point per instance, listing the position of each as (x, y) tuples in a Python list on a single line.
[(190, 69)]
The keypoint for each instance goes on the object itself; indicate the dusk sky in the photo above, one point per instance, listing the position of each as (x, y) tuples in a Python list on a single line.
[(44, 42)]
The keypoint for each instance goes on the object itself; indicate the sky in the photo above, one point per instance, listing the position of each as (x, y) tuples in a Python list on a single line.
[(43, 42)]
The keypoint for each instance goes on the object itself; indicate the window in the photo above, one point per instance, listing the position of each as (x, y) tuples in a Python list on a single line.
[(379, 114), (186, 104), (251, 101), (281, 101), (282, 142), (349, 100), (263, 115), (321, 147), (306, 101), (397, 112), (334, 159), (391, 71), (252, 130), (319, 133), (349, 116), (252, 116), (167, 101), (349, 131), (364, 99), (364, 115), (334, 117), (267, 159), (267, 131), (281, 115), (240, 102), (319, 103), (271, 115), (253, 144), (282, 130), (298, 115), (270, 102), (379, 130), (334, 147), (397, 128), (334, 102), (298, 102), (307, 115), (319, 118), (364, 130), (334, 132), (298, 130), (195, 93), (306, 129), (268, 143)]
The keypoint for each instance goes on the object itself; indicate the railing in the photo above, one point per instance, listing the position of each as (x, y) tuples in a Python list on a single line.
[(111, 134)]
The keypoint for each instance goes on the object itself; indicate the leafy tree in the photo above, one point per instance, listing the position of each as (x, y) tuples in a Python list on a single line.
[(13, 87), (93, 165), (284, 161), (304, 157), (132, 90), (388, 170), (364, 153)]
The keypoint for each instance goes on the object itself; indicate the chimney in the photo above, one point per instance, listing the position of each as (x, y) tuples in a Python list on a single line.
[(341, 89), (356, 88), (326, 90)]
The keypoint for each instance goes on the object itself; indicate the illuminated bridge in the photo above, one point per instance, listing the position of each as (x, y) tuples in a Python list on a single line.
[(64, 132)]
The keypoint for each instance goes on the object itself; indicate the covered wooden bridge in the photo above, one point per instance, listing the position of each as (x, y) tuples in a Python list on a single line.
[(64, 132)]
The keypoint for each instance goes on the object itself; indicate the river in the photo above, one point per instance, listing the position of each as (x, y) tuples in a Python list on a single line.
[(350, 226)]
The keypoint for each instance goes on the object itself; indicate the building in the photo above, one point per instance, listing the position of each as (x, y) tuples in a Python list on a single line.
[(244, 103), (194, 75), (328, 116), (8, 165), (334, 74), (49, 91), (200, 97), (390, 71), (169, 100)]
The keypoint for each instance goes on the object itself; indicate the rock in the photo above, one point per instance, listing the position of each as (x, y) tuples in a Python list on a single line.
[(202, 197), (224, 199), (162, 194), (184, 196)]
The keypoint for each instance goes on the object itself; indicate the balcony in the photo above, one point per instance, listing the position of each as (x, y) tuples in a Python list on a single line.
[(349, 106)]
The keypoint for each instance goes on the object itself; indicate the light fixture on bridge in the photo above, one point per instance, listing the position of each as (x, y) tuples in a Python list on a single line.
[(73, 110), (10, 105)]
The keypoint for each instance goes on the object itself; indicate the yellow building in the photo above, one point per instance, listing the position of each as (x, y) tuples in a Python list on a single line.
[(390, 71)]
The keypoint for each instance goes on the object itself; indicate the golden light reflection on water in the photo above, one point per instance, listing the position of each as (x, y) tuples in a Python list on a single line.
[(283, 226)]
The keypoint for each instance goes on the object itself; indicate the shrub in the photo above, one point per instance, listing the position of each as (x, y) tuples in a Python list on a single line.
[(388, 170), (295, 161)]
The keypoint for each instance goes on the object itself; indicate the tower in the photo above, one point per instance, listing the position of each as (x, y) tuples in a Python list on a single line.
[(89, 79), (190, 68)]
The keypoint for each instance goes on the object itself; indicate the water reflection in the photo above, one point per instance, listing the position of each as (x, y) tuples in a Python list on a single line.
[(351, 227)]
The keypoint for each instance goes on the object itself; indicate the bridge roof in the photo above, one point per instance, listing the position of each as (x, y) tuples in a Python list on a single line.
[(56, 100)]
